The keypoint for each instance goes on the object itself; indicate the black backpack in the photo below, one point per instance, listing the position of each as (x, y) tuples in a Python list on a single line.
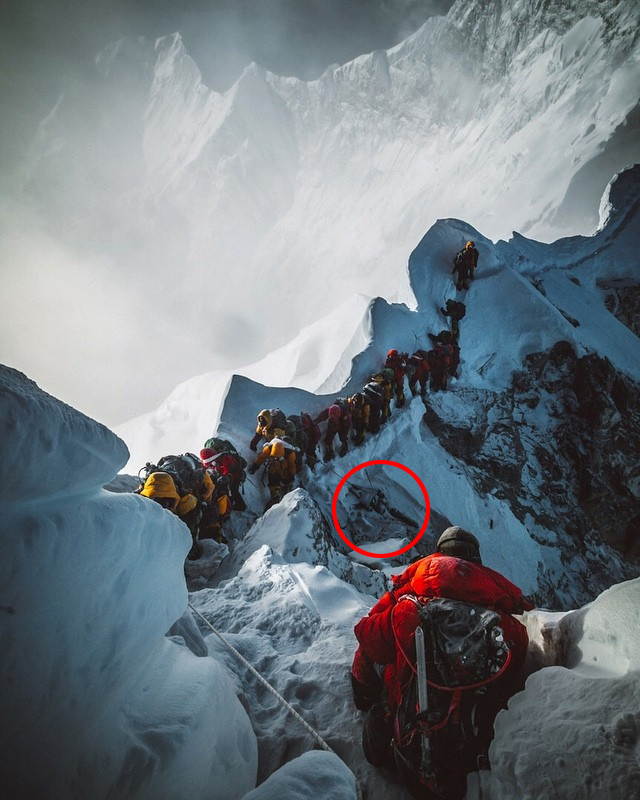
[(278, 419), (186, 470), (465, 655), (374, 392), (296, 430)]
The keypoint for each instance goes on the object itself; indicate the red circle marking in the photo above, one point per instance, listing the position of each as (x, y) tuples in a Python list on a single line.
[(366, 552)]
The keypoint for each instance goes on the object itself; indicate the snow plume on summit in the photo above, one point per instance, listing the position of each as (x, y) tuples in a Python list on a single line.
[(211, 207)]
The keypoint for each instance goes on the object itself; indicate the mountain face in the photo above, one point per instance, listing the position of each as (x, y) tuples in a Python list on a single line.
[(509, 115), (423, 120), (98, 637), (559, 447), (535, 440), (265, 207)]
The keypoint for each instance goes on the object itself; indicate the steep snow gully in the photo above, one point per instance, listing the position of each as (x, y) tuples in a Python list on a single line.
[(534, 448)]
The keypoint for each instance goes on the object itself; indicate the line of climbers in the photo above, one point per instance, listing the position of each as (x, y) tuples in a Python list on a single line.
[(440, 653), (204, 491), (289, 441)]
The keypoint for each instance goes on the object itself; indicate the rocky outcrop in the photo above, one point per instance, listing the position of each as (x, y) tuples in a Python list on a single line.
[(624, 303), (560, 446)]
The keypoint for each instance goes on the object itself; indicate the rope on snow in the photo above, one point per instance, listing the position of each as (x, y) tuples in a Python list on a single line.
[(273, 691)]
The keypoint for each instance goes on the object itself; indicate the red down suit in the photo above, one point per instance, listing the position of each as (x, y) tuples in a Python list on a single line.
[(386, 634)]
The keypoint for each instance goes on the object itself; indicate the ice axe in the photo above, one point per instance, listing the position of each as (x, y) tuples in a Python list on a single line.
[(423, 699)]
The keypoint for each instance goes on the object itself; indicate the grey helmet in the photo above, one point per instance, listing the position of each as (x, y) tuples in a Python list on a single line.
[(455, 541)]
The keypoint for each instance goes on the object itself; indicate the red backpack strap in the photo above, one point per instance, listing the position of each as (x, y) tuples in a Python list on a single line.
[(412, 599)]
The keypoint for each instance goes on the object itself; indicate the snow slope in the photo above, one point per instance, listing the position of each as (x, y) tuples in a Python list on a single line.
[(583, 724), (289, 206), (93, 581), (96, 701), (97, 637)]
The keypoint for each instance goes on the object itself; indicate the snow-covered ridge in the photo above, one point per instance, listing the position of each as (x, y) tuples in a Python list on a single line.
[(310, 194), (538, 345), (90, 452), (507, 380)]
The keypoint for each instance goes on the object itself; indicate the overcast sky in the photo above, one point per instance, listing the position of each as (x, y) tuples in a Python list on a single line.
[(45, 46), (297, 36)]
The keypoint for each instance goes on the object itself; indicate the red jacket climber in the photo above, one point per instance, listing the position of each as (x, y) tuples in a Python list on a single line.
[(386, 634)]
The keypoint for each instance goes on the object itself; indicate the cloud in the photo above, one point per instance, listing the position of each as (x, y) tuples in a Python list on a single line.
[(76, 326), (80, 311)]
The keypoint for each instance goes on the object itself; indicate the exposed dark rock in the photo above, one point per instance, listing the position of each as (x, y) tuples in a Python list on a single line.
[(561, 447), (624, 303), (458, 441), (569, 318)]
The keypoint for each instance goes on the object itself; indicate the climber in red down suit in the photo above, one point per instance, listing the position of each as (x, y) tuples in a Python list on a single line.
[(386, 634)]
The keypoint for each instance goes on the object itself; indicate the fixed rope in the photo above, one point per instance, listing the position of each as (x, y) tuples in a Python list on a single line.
[(273, 691)]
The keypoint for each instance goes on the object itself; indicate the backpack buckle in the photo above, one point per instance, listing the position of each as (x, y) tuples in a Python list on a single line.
[(430, 717), (482, 762)]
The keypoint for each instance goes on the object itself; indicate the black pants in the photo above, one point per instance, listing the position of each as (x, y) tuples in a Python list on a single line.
[(377, 734)]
